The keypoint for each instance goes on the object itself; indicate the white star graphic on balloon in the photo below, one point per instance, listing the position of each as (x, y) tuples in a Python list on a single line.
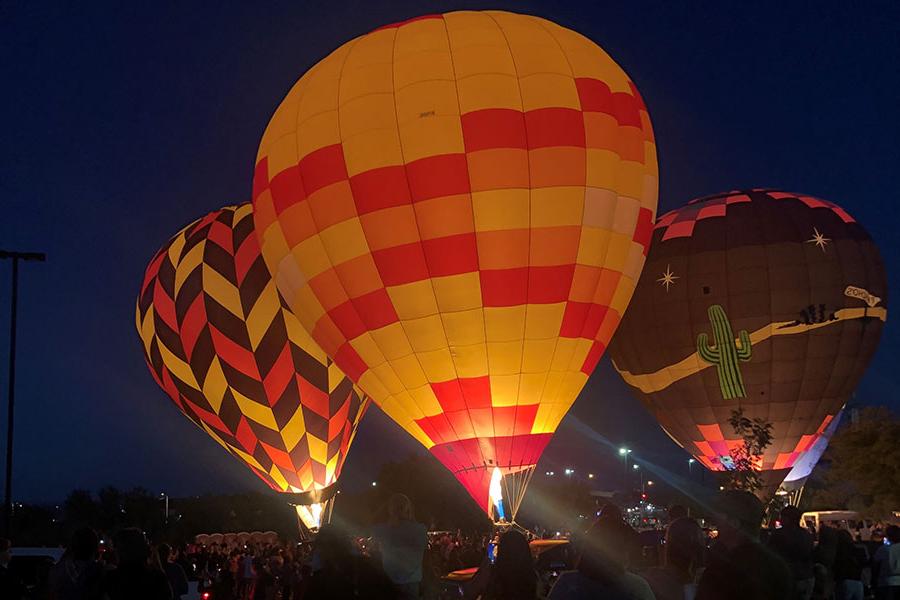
[(818, 239), (668, 278)]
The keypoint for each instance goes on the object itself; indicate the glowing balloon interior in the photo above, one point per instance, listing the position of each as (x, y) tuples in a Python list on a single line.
[(458, 208), (235, 360)]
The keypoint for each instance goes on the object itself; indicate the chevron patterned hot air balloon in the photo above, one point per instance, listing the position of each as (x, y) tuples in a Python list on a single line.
[(221, 343), (458, 208), (767, 301)]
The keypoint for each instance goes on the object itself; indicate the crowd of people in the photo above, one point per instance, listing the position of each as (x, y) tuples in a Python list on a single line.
[(401, 560)]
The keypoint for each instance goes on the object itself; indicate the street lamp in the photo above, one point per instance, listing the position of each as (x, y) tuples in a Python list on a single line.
[(691, 462), (624, 452), (374, 483), (569, 471), (590, 475)]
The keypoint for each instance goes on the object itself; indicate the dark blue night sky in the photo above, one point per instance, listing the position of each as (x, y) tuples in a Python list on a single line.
[(121, 124)]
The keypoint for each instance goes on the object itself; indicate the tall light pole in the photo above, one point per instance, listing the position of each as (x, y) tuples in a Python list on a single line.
[(165, 497), (624, 452), (15, 257), (691, 462)]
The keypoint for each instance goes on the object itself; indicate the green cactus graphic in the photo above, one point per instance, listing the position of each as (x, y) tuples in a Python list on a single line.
[(726, 353)]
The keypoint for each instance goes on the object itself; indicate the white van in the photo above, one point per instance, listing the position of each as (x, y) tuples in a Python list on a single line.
[(839, 519)]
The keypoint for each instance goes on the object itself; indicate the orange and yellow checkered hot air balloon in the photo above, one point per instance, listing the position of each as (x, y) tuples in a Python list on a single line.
[(235, 360), (458, 208)]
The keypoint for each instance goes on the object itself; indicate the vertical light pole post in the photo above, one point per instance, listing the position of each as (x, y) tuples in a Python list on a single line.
[(691, 462), (15, 257), (624, 452)]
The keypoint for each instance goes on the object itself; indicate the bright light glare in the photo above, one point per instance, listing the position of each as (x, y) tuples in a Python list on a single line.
[(649, 483), (590, 475), (623, 451), (569, 471), (374, 483), (635, 467), (691, 461)]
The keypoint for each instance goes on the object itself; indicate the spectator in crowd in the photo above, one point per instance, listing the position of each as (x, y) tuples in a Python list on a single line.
[(824, 556), (510, 577), (740, 567), (134, 578), (795, 546), (402, 542), (886, 566), (847, 569), (78, 575), (684, 557), (342, 574), (174, 573), (602, 567)]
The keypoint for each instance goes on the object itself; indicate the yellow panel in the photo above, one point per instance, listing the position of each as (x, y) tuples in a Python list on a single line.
[(549, 91), (490, 90), (470, 361), (630, 179), (187, 263), (371, 150), (599, 207), (602, 168), (413, 300), (308, 307), (293, 430), (255, 411), (318, 449), (318, 131), (464, 328), (457, 292), (438, 365), (537, 355), (392, 341), (531, 387), (344, 241), (626, 215), (556, 206), (501, 209), (282, 153), (266, 310), (593, 246), (483, 58), (431, 135), (421, 66), (544, 413), (426, 99), (571, 387), (311, 257), (318, 96), (373, 111), (617, 253), (409, 371), (623, 294), (276, 475), (424, 401), (330, 468), (582, 347), (222, 290), (368, 350), (178, 367), (635, 261), (425, 333), (542, 321), (504, 323), (335, 377), (504, 390), (387, 377), (299, 336), (372, 78), (373, 388), (562, 358), (505, 358), (420, 36), (214, 384), (466, 28)]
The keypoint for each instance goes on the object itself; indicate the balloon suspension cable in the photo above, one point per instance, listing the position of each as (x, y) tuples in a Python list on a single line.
[(514, 486)]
